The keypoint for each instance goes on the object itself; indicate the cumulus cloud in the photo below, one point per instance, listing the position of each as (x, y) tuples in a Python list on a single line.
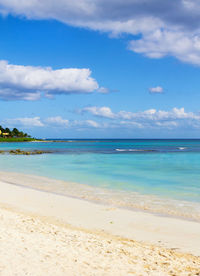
[(156, 90), (150, 114), (57, 121), (26, 122), (159, 43), (86, 123), (92, 123), (9, 94), (148, 118), (170, 124), (18, 82), (131, 124), (99, 111), (162, 27)]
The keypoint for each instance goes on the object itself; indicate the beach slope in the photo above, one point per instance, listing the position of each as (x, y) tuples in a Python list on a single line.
[(43, 233)]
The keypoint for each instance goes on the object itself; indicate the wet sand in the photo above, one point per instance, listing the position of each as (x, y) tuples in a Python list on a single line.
[(42, 233)]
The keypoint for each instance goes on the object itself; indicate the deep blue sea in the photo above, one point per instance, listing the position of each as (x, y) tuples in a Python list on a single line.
[(166, 168)]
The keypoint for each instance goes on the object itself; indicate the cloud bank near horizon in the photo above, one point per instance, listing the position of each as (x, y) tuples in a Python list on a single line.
[(53, 122), (18, 82), (151, 118), (147, 119), (163, 28)]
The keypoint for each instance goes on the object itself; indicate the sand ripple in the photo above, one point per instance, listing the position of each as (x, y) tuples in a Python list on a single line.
[(34, 246)]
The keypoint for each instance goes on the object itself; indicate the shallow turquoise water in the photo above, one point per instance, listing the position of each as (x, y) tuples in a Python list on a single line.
[(167, 168)]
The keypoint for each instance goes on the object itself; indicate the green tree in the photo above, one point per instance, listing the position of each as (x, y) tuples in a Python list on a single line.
[(15, 132), (2, 129), (21, 134), (7, 130)]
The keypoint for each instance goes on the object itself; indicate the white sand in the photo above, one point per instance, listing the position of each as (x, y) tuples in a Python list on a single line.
[(47, 234)]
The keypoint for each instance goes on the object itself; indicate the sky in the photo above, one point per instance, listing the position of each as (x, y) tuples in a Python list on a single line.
[(100, 69)]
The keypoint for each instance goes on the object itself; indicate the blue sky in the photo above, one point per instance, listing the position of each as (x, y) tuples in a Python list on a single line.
[(64, 76)]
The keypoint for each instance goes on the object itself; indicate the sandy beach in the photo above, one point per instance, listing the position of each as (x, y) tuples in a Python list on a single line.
[(42, 233), (100, 138)]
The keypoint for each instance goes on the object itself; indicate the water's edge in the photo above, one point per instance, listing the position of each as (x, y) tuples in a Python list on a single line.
[(122, 199)]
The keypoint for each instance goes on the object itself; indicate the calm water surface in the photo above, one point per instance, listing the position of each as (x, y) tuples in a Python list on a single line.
[(166, 168)]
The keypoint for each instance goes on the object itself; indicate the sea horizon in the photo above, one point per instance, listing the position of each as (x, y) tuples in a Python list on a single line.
[(117, 138)]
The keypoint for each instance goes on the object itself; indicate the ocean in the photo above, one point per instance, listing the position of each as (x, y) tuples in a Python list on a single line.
[(139, 171)]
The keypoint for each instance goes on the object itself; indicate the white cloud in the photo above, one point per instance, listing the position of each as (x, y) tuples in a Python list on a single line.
[(92, 123), (156, 90), (57, 121), (28, 82), (86, 124), (149, 118), (100, 111), (160, 43), (14, 94), (27, 122), (103, 90), (170, 124), (131, 124), (162, 27)]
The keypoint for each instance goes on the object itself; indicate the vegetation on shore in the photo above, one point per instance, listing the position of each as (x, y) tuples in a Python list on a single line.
[(14, 135), (17, 139)]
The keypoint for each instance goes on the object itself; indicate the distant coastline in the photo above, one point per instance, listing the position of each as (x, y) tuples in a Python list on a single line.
[(14, 135), (18, 139)]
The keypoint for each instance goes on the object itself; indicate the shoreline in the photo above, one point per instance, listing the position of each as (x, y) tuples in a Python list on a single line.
[(43, 233), (165, 231), (161, 206)]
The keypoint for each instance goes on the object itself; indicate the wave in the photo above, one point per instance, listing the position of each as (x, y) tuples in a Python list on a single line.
[(149, 150), (129, 150)]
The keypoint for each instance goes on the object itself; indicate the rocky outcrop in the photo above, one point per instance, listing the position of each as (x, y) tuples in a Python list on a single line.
[(24, 152)]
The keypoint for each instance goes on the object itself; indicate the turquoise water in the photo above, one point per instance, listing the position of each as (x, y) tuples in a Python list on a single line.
[(167, 168)]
